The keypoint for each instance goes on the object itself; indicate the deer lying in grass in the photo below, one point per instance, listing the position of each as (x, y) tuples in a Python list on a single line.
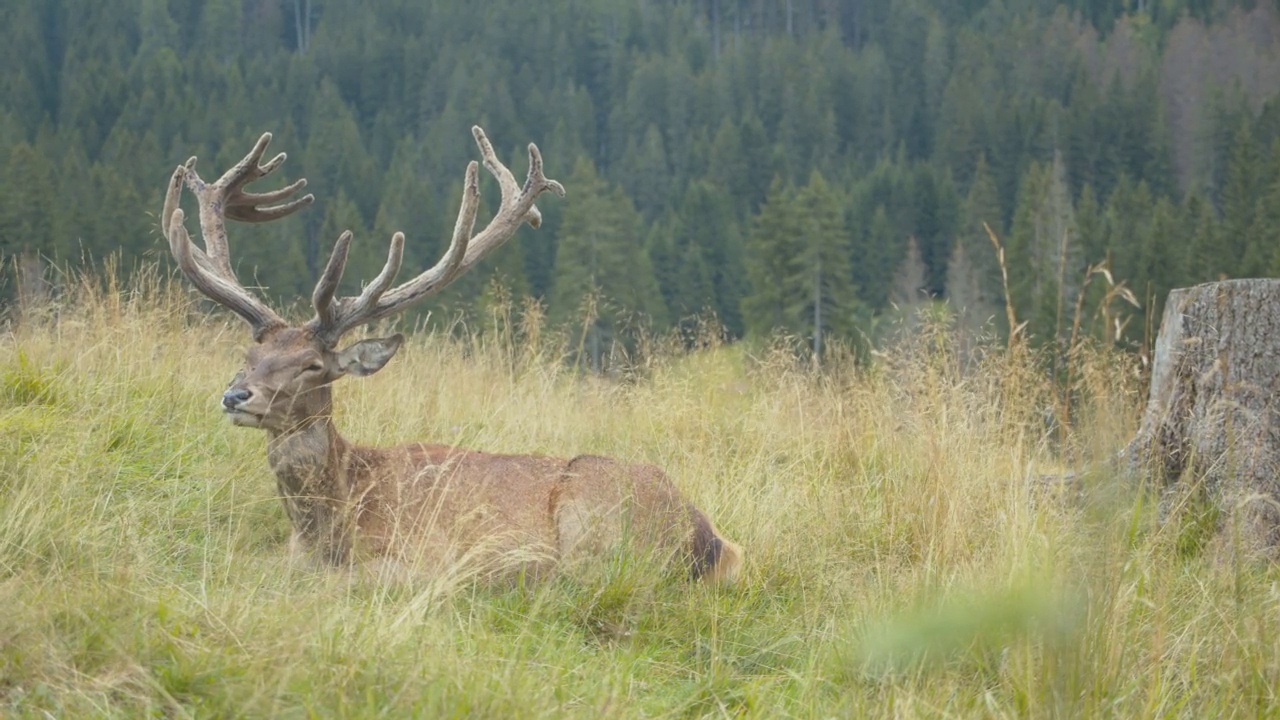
[(421, 505)]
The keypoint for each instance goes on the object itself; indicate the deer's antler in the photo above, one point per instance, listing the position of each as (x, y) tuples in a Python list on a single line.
[(336, 316), (210, 269)]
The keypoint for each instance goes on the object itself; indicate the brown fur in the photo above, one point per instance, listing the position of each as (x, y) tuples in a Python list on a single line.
[(421, 507)]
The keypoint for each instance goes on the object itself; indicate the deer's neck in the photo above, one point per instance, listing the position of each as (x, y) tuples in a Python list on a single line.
[(308, 462), (307, 459)]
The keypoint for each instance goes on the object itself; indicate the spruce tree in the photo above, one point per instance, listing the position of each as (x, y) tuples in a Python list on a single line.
[(708, 222), (26, 203), (646, 174), (1163, 245), (889, 103), (798, 263), (1202, 253), (1240, 195), (774, 262), (831, 308), (980, 210), (1089, 223), (1263, 246), (601, 253), (1044, 255), (730, 165), (964, 292), (1126, 220), (1021, 244), (663, 245)]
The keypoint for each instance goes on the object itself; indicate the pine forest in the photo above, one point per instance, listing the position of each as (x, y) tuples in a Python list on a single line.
[(807, 166)]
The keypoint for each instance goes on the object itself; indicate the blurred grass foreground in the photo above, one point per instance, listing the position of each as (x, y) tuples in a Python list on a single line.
[(901, 561)]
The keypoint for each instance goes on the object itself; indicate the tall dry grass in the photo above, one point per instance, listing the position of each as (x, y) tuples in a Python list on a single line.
[(900, 563)]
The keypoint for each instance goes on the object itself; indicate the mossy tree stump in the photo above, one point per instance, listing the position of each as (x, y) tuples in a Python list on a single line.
[(1213, 411)]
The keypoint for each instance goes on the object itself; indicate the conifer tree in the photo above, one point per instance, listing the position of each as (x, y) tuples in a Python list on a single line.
[(964, 291), (774, 262), (334, 159), (118, 227), (910, 282), (1202, 253), (1021, 244), (881, 216), (601, 252), (69, 223), (1163, 245), (831, 305), (754, 143), (1126, 219), (367, 254), (730, 165), (708, 223), (979, 292), (647, 174), (878, 256), (1089, 223), (1044, 255), (1240, 195), (1263, 247), (693, 121), (1121, 223), (662, 245), (934, 215), (26, 203), (798, 264), (1092, 229)]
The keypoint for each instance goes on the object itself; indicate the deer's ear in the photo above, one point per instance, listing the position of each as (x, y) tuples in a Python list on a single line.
[(368, 356)]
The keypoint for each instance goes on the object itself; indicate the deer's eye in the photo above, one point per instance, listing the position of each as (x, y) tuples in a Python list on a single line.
[(314, 367)]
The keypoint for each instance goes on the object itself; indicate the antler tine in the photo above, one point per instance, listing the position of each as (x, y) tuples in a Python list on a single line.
[(507, 181), (249, 169), (535, 183), (370, 306), (322, 296), (210, 269), (172, 196), (333, 318), (517, 203), (451, 265), (171, 200), (375, 289), (226, 198), (216, 254), (223, 291), (249, 208)]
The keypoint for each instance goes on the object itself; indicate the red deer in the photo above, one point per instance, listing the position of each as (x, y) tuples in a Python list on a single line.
[(415, 506)]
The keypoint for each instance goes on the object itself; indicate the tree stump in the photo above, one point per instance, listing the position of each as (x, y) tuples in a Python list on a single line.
[(1213, 411)]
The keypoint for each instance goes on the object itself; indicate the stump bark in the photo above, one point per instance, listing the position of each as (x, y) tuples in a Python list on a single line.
[(1213, 411)]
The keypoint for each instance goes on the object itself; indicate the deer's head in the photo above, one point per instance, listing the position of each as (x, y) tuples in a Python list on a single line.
[(285, 379), (287, 373)]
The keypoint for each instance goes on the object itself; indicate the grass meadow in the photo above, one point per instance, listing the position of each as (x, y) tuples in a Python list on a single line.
[(901, 561)]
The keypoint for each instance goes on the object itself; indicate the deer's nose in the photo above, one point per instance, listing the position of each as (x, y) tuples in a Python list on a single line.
[(234, 397)]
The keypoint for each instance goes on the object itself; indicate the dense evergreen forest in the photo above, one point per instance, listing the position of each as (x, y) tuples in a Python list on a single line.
[(800, 164)]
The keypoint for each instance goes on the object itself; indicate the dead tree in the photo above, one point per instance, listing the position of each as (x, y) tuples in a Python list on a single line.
[(1213, 411)]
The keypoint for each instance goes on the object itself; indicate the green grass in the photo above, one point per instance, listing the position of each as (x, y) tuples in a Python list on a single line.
[(899, 562)]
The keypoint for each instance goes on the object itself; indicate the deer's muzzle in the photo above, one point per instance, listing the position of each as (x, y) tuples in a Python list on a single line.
[(232, 398)]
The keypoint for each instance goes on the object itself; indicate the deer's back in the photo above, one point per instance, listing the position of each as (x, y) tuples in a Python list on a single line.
[(442, 502)]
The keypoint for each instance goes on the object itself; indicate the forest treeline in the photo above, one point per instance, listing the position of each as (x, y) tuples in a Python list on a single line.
[(799, 164)]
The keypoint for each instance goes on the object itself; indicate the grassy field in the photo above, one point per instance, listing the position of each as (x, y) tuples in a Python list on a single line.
[(899, 562)]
